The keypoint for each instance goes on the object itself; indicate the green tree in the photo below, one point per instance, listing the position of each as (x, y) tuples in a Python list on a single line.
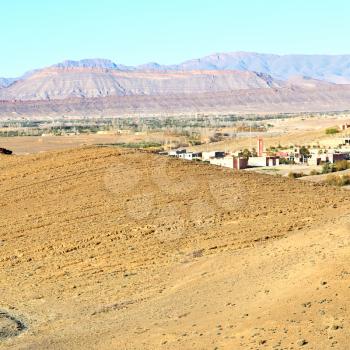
[(304, 151), (245, 153)]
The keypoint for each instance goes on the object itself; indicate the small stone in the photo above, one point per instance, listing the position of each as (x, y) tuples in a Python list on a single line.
[(335, 327), (308, 304), (301, 342)]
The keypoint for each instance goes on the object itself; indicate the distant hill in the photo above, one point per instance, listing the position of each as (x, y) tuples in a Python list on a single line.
[(333, 68)]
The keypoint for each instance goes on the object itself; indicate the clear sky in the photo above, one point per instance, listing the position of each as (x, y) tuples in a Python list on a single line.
[(38, 33)]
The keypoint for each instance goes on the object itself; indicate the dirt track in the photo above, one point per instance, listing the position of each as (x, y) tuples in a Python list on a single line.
[(109, 249)]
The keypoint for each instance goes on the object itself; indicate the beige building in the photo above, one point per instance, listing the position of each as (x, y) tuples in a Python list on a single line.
[(230, 162)]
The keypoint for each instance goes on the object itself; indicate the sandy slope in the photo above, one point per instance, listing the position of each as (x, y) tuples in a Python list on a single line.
[(109, 249)]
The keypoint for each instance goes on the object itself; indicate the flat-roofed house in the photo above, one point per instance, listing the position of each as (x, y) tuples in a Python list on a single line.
[(230, 162), (206, 156), (263, 161)]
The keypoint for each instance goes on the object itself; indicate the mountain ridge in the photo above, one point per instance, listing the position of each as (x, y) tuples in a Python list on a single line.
[(229, 82), (66, 82), (334, 68)]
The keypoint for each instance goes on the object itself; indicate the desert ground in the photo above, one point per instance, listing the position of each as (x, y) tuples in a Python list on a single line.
[(103, 248), (284, 170), (22, 145), (36, 144)]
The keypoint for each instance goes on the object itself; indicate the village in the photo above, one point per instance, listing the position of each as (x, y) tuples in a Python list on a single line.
[(330, 155)]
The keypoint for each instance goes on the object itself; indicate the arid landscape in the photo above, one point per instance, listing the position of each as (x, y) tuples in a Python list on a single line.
[(175, 175), (122, 249), (109, 242)]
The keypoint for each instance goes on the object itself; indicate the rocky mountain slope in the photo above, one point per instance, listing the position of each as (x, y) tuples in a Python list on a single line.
[(332, 68), (87, 82), (231, 82), (116, 249)]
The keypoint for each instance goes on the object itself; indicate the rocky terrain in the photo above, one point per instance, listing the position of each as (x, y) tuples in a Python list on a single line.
[(115, 249)]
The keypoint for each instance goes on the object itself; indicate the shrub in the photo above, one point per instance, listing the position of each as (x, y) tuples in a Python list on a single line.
[(285, 161), (216, 137), (337, 166), (328, 168), (293, 175), (342, 165), (195, 142), (338, 180), (332, 131), (333, 180), (346, 180), (314, 172)]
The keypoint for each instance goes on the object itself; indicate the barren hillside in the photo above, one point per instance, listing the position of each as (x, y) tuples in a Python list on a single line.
[(115, 249), (261, 100), (63, 83)]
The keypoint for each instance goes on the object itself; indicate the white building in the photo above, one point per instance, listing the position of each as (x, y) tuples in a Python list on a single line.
[(263, 161), (176, 152), (225, 162), (191, 155), (333, 157), (230, 162), (206, 156)]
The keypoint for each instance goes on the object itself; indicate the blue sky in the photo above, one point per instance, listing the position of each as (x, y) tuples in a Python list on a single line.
[(37, 33)]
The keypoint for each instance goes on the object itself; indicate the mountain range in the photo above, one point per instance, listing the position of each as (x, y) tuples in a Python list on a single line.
[(334, 68), (246, 79)]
